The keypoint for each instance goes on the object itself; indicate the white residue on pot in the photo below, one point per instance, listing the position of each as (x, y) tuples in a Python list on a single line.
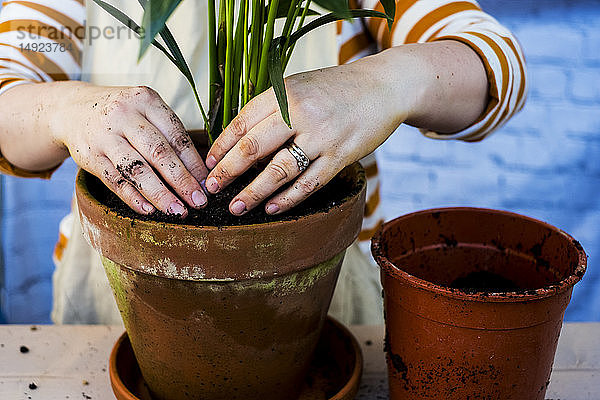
[(167, 268), (197, 242), (264, 245), (226, 242), (255, 274)]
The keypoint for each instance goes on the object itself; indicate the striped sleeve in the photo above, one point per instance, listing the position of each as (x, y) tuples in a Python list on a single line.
[(40, 41), (420, 21)]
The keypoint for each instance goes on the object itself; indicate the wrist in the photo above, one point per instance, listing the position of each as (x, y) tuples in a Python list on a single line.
[(63, 111), (402, 81)]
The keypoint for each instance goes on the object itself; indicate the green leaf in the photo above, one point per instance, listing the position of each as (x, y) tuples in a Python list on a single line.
[(215, 113), (176, 57), (155, 17), (284, 6), (179, 61), (128, 22), (337, 7), (167, 36), (390, 9), (309, 12), (332, 17), (275, 68)]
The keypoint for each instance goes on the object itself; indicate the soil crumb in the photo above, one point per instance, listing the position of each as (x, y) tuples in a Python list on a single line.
[(484, 282), (24, 349)]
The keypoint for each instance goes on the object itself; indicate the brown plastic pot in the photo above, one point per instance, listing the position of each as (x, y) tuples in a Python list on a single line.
[(445, 343), (229, 312)]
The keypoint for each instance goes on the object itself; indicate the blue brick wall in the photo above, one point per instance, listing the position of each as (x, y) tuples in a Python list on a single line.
[(544, 163), (31, 212)]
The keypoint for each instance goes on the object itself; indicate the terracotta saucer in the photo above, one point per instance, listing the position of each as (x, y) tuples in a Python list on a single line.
[(335, 370)]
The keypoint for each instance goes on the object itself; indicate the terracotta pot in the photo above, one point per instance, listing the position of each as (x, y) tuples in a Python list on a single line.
[(223, 313), (445, 343)]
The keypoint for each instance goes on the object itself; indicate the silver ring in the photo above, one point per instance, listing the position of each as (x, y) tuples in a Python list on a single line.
[(301, 159)]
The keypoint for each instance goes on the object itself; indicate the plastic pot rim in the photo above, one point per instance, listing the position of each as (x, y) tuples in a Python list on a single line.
[(391, 269)]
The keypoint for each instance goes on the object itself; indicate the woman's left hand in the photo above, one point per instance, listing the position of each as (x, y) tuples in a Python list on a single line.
[(336, 120)]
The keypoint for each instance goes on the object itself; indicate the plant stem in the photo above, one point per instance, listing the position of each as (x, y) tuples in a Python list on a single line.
[(211, 139), (256, 44), (288, 54), (262, 71), (221, 40), (290, 18), (246, 55), (238, 50), (212, 54), (228, 64)]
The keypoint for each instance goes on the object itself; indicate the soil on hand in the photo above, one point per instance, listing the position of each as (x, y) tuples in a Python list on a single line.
[(484, 282), (216, 213)]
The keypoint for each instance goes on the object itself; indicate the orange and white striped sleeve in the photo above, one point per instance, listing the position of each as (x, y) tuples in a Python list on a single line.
[(420, 21), (40, 41)]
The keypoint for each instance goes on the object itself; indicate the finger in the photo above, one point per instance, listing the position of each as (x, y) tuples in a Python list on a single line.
[(314, 178), (259, 108), (134, 168), (154, 147), (168, 123), (280, 170), (125, 190), (266, 137)]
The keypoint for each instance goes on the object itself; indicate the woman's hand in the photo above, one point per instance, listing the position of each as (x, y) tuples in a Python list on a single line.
[(338, 115), (341, 114), (130, 139)]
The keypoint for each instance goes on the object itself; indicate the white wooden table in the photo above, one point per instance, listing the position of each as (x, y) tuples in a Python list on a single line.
[(70, 362)]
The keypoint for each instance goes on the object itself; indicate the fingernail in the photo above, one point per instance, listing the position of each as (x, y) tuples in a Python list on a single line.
[(211, 162), (238, 207), (212, 185), (147, 207), (198, 198), (272, 208), (176, 208)]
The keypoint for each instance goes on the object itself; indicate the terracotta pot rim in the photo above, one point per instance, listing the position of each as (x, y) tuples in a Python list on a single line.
[(115, 379), (85, 193), (212, 253), (357, 370), (505, 297)]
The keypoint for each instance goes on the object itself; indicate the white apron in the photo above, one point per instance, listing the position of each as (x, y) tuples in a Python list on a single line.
[(81, 291)]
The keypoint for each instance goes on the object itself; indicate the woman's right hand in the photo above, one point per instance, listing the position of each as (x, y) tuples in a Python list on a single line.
[(130, 139)]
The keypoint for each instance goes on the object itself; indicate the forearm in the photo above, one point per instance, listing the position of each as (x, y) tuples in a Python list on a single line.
[(440, 86), (27, 137)]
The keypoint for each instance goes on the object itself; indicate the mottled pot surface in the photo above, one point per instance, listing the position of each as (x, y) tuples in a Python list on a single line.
[(222, 253), (334, 375)]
